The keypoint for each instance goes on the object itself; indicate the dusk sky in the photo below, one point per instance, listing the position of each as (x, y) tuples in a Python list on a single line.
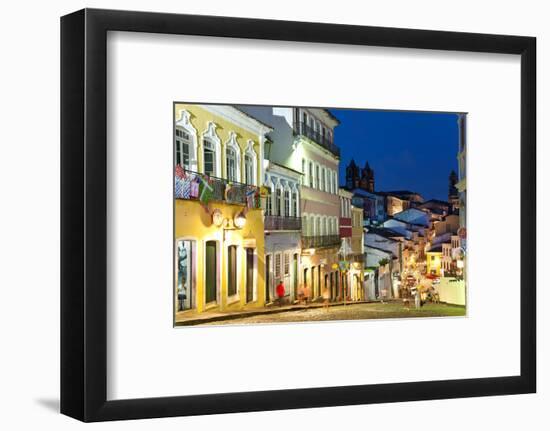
[(408, 150)]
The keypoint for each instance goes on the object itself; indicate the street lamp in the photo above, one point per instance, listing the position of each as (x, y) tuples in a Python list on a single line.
[(240, 220)]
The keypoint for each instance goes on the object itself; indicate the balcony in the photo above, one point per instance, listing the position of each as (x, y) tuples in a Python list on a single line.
[(191, 185), (272, 222), (320, 241), (307, 131)]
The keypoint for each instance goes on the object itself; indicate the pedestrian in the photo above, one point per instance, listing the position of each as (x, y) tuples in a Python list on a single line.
[(280, 291), (326, 298)]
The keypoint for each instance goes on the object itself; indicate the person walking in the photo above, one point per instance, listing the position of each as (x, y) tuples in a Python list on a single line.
[(280, 292)]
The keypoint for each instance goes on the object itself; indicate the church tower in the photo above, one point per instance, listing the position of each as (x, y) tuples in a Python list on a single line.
[(367, 178), (352, 176)]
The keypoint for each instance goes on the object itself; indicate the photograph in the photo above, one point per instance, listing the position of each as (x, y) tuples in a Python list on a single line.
[(307, 214)]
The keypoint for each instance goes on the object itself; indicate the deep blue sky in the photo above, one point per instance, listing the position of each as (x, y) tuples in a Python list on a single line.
[(408, 150)]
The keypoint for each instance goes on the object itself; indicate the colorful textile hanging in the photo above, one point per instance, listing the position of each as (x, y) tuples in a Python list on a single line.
[(205, 190)]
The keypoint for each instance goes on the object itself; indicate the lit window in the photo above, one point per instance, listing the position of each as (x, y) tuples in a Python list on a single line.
[(183, 144), (209, 158), (231, 164), (287, 203), (295, 204), (249, 169)]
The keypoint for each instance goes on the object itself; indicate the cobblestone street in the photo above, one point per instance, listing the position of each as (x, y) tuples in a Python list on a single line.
[(350, 312)]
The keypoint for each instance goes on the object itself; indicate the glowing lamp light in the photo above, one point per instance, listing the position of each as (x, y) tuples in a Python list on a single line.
[(460, 264), (239, 220)]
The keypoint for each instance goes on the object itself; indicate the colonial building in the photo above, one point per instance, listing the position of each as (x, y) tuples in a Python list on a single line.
[(400, 200), (283, 227), (345, 253), (373, 205), (219, 227), (303, 140)]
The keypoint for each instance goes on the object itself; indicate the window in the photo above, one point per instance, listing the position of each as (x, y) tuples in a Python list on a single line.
[(231, 164), (323, 183), (295, 203), (310, 175), (183, 144), (287, 264), (209, 158), (277, 266), (232, 270), (287, 203), (304, 171), (317, 226), (326, 227), (249, 169), (317, 176), (269, 202), (278, 201)]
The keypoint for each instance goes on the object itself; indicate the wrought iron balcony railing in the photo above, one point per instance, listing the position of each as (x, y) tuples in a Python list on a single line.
[(307, 131), (272, 222), (204, 188), (320, 241)]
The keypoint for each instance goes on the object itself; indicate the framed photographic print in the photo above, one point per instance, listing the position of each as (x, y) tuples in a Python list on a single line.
[(262, 215)]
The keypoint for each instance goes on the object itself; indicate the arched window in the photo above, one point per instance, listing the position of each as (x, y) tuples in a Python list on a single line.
[(317, 229), (183, 148), (211, 151), (248, 169), (232, 158), (323, 176), (326, 230), (209, 157), (287, 202), (185, 141), (250, 164), (310, 174), (317, 176), (269, 202), (278, 196), (295, 203), (231, 164)]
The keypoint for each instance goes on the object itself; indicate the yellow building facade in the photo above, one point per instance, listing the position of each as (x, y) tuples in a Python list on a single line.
[(433, 261), (218, 223)]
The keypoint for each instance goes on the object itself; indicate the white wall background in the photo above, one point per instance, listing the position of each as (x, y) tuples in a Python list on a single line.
[(29, 220)]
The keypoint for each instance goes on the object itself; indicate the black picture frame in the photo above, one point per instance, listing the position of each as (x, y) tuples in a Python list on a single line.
[(84, 214)]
